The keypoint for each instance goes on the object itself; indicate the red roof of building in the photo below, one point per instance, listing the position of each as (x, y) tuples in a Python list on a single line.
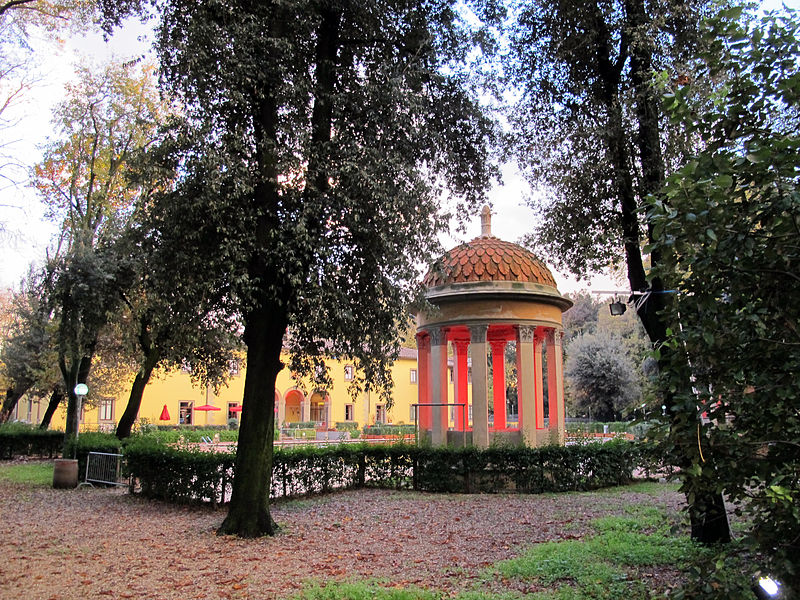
[(488, 258)]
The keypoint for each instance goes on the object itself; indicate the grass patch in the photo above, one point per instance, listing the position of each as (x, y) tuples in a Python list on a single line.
[(603, 566), (36, 473), (362, 591)]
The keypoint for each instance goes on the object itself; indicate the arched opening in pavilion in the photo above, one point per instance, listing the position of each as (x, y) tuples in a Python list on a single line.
[(486, 294)]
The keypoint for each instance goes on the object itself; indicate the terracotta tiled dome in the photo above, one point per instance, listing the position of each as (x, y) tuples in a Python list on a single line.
[(488, 258)]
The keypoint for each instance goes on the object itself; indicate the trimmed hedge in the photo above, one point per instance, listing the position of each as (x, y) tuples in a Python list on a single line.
[(18, 439), (389, 429), (180, 475)]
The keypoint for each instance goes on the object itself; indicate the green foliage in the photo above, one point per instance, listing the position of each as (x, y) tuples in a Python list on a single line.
[(18, 439), (301, 425), (388, 429), (729, 226), (362, 591), (310, 470), (600, 567), (600, 376), (191, 433), (37, 474), (346, 425)]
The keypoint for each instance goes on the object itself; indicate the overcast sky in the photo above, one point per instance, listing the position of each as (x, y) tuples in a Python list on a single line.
[(28, 232)]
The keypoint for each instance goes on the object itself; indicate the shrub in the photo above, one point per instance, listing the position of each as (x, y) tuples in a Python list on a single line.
[(20, 439), (188, 475)]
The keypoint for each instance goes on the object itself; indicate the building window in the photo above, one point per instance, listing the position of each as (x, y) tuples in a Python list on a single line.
[(186, 367), (349, 412), (185, 413), (349, 372), (412, 413), (106, 410), (233, 410), (380, 413), (233, 367), (413, 376)]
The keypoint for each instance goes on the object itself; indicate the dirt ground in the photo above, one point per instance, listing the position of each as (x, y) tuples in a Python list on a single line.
[(103, 543)]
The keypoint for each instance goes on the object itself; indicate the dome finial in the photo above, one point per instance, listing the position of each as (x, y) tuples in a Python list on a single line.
[(486, 221)]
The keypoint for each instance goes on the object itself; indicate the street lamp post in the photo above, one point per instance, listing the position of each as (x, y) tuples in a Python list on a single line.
[(81, 390)]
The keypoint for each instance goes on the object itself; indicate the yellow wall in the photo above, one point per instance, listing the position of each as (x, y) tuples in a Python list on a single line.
[(174, 388)]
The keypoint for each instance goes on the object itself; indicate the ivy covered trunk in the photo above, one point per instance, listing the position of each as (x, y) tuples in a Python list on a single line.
[(248, 515)]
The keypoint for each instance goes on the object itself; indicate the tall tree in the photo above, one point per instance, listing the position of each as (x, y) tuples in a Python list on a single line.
[(590, 131), (730, 220), (601, 376), (28, 355), (330, 128), (104, 119)]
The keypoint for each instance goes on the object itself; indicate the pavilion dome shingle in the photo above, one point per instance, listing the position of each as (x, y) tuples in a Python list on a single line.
[(487, 258)]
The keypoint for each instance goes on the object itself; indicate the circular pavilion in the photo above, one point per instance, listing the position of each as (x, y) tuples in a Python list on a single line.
[(486, 293)]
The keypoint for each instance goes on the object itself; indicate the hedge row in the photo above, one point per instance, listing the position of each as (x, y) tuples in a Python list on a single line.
[(180, 475), (17, 439)]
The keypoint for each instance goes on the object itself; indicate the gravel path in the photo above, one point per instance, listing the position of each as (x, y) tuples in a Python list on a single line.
[(96, 543)]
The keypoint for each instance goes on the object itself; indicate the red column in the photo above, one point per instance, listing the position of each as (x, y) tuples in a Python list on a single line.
[(499, 383), (424, 416), (460, 350)]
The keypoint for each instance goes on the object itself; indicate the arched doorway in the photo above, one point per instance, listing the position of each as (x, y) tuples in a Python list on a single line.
[(294, 406)]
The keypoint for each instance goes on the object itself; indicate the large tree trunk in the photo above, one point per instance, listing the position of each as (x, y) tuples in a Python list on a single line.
[(55, 399), (709, 521), (249, 514)]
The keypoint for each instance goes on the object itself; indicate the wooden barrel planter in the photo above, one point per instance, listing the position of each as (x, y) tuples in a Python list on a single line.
[(65, 473)]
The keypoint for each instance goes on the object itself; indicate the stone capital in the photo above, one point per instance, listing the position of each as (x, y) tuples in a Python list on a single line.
[(525, 333), (437, 336), (555, 337), (477, 333)]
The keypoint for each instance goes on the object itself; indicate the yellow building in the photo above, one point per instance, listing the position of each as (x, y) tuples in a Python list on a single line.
[(172, 400)]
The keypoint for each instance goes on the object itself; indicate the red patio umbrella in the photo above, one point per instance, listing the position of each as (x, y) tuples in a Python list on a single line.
[(236, 408), (164, 414), (205, 408)]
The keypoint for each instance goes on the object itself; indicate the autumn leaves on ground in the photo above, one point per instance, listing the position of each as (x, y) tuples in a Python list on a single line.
[(95, 543)]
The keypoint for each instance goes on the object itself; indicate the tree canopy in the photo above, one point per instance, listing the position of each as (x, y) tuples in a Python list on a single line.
[(320, 136)]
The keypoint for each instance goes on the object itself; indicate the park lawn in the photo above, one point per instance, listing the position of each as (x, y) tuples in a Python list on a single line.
[(33, 473)]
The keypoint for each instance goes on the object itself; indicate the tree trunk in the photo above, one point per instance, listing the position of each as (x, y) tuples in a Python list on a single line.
[(12, 397), (137, 391), (151, 358), (55, 399), (249, 514)]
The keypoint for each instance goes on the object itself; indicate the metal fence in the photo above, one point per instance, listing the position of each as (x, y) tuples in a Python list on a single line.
[(103, 467)]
